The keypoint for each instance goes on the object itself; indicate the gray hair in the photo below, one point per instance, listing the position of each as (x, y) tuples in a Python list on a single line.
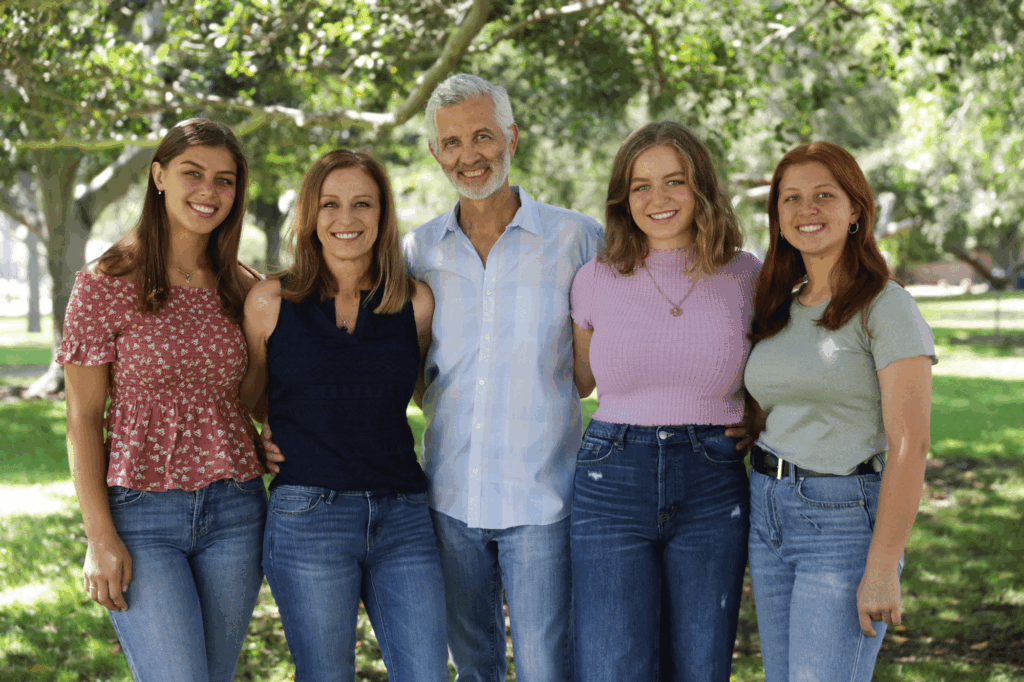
[(461, 87)]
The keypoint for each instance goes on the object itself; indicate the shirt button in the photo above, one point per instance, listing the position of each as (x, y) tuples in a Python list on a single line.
[(478, 425), (487, 337), (489, 292), (664, 434), (476, 471), (481, 382)]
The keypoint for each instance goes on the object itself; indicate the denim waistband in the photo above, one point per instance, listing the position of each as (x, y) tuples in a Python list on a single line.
[(666, 434), (331, 494)]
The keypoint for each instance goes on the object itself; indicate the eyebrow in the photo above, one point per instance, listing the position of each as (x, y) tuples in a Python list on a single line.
[(202, 167), (476, 132), (670, 175), (358, 196), (821, 184)]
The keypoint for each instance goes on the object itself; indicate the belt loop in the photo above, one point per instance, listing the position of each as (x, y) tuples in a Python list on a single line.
[(694, 443), (620, 438), (329, 497)]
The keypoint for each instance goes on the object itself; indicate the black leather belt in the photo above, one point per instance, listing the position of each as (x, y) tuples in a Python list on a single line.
[(768, 464)]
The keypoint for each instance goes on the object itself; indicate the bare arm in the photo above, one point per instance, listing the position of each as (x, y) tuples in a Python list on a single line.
[(262, 306), (108, 566), (423, 309), (748, 430), (906, 387), (582, 374)]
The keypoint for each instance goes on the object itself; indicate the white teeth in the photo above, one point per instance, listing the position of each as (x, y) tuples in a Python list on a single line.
[(208, 210), (475, 173), (810, 228), (346, 236), (662, 216)]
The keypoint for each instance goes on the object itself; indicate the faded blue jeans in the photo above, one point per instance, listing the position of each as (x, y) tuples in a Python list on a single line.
[(809, 539), (324, 551), (195, 577), (532, 563), (659, 547)]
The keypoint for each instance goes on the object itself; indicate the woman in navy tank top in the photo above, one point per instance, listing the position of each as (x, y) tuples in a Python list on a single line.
[(337, 342)]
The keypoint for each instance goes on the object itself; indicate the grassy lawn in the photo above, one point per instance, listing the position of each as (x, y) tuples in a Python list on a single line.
[(963, 584)]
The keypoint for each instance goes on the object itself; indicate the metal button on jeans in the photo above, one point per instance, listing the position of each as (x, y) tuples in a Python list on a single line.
[(663, 434)]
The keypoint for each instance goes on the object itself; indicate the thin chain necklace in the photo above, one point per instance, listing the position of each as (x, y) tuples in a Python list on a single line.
[(187, 275), (676, 310)]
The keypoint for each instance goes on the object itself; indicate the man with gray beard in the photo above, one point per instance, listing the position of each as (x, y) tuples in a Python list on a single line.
[(503, 414)]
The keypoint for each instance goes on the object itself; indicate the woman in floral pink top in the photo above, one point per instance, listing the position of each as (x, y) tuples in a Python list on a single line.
[(172, 496)]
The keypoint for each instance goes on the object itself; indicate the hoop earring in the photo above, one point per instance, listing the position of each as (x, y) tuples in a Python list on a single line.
[(854, 227)]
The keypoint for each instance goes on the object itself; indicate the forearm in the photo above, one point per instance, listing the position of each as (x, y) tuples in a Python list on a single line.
[(898, 502), (87, 459), (252, 391)]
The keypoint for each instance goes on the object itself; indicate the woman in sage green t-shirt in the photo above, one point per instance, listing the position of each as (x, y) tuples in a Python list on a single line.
[(841, 369)]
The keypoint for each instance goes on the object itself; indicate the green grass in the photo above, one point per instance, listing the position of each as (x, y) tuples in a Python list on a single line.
[(963, 584)]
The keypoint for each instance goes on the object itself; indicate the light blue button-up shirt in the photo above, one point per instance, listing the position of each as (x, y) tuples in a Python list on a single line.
[(503, 416)]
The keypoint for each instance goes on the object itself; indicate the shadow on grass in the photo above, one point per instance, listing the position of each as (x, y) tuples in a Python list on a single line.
[(32, 448)]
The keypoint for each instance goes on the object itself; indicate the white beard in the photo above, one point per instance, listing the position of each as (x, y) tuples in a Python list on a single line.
[(498, 176)]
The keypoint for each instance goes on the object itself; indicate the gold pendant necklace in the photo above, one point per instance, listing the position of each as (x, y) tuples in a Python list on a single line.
[(676, 310), (187, 275)]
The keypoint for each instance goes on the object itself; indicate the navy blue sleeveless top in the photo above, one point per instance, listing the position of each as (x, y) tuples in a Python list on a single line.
[(338, 399)]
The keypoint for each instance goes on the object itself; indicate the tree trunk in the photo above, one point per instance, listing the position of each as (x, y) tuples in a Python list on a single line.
[(34, 321), (268, 216), (65, 248)]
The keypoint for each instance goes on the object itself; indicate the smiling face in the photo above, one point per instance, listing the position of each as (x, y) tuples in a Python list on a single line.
[(199, 188), (815, 213), (348, 215), (661, 200), (472, 149)]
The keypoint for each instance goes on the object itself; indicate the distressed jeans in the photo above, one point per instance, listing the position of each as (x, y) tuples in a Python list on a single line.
[(195, 577), (659, 547), (809, 540)]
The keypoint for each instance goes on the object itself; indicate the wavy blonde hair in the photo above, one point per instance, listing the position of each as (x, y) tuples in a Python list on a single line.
[(717, 236)]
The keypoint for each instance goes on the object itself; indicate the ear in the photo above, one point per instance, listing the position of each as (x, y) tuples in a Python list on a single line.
[(433, 152), (514, 141), (157, 171)]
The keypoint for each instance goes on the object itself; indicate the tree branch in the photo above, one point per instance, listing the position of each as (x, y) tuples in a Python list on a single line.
[(112, 182), (10, 205), (539, 16), (652, 34), (985, 271), (453, 51)]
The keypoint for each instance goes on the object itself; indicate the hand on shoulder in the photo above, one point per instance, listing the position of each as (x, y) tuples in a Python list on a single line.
[(249, 276)]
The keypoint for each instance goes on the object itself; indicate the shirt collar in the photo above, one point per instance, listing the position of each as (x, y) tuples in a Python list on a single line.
[(527, 217)]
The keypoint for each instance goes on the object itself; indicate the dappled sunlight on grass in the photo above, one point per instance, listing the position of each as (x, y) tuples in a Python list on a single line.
[(32, 446)]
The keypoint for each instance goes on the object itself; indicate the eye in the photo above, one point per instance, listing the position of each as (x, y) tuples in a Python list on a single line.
[(676, 182), (825, 195), (193, 173), (791, 197), (329, 204), (483, 136), (225, 181), (640, 188), (363, 204)]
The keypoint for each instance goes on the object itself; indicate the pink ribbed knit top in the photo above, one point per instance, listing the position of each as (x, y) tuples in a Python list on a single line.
[(655, 369)]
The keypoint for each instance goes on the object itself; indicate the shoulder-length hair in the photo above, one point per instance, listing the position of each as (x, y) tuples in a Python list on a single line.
[(309, 274), (859, 275), (144, 251), (717, 235)]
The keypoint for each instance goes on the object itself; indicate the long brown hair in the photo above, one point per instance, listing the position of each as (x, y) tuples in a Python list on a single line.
[(859, 275), (143, 251), (717, 235), (309, 273)]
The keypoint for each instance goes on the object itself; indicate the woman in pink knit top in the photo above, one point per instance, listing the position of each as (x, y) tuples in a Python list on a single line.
[(660, 509), (166, 473)]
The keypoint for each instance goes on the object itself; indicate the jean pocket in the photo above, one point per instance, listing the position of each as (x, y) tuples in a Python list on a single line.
[(415, 499), (294, 502), (119, 497), (832, 492), (594, 450), (721, 449), (250, 487)]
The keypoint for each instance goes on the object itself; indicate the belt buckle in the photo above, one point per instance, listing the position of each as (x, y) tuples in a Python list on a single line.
[(778, 468)]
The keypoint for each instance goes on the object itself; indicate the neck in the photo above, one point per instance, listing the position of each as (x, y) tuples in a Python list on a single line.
[(187, 250), (351, 277), (492, 214), (819, 276)]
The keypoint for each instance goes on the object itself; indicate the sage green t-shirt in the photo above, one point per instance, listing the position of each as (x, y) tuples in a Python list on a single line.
[(820, 387)]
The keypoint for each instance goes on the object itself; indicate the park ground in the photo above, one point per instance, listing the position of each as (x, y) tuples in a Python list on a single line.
[(963, 585)]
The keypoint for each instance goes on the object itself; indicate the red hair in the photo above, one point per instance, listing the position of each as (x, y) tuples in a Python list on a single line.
[(859, 275)]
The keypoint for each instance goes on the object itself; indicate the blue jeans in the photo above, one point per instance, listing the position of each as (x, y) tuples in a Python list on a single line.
[(532, 562), (195, 577), (659, 547), (324, 551), (809, 541)]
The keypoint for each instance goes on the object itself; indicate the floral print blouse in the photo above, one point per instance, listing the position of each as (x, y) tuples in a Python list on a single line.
[(174, 419)]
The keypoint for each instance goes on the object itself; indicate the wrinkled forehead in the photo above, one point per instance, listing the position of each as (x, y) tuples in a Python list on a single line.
[(469, 115)]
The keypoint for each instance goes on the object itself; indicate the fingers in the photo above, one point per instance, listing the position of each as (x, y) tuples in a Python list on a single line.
[(865, 623)]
